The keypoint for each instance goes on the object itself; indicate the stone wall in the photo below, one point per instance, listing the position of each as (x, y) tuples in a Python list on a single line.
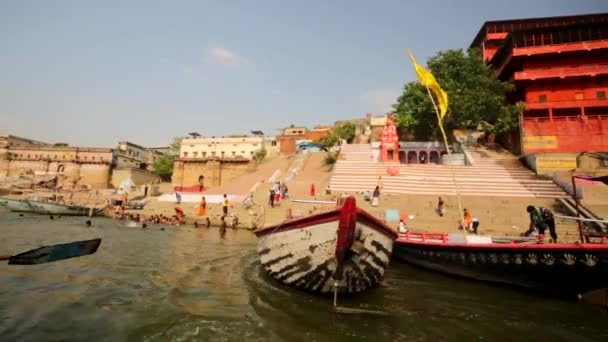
[(216, 172), (138, 176), (96, 175)]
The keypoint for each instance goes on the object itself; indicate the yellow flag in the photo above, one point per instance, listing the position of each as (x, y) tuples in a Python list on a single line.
[(428, 80)]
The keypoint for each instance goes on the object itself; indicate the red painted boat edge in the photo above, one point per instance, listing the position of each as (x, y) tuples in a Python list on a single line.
[(508, 246), (324, 217), (346, 228)]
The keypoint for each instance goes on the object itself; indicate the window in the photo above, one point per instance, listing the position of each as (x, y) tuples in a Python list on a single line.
[(233, 153), (542, 98), (579, 96), (299, 132), (85, 157), (600, 95), (204, 154), (185, 154), (273, 143), (92, 158), (255, 144), (242, 152), (195, 154), (213, 154)]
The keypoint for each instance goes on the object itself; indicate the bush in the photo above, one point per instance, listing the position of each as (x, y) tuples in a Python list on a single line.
[(260, 154), (330, 159)]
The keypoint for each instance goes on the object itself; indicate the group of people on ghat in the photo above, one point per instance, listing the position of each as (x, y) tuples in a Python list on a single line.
[(277, 192)]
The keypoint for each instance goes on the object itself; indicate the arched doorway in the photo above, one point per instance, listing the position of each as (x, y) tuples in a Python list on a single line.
[(412, 157), (434, 157), (423, 157)]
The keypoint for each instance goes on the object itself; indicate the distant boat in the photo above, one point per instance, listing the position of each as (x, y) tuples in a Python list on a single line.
[(562, 269), (51, 208), (345, 249), (48, 208), (15, 205)]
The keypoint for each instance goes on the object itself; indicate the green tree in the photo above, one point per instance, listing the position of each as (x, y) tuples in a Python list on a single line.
[(327, 142), (61, 144), (345, 131), (163, 166), (175, 146), (475, 95)]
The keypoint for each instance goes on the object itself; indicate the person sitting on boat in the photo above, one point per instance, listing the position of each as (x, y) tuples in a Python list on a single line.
[(541, 218), (402, 227)]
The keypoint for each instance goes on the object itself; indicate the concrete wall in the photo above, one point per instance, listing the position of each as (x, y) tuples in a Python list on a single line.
[(96, 175), (187, 172), (548, 163), (138, 176)]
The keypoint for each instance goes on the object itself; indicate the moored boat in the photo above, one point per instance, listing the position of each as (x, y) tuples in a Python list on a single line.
[(51, 208), (562, 269), (21, 206), (345, 250)]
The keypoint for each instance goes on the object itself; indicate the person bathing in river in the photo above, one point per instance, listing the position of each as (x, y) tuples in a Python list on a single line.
[(223, 226)]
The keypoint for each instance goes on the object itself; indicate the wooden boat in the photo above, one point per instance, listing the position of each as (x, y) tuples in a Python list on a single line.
[(562, 269), (21, 206), (50, 208), (345, 250)]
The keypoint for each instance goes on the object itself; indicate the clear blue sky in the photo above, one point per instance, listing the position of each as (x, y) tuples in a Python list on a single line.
[(95, 72)]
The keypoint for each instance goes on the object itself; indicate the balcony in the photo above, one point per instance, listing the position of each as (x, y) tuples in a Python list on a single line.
[(567, 104), (563, 72)]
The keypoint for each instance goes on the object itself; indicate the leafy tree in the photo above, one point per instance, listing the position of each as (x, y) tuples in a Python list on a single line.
[(327, 142), (175, 146), (60, 144), (345, 131), (163, 166), (475, 95)]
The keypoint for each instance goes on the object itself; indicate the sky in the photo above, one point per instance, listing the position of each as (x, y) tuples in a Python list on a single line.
[(92, 73)]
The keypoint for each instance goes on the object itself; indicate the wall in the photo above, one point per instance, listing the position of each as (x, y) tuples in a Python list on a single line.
[(96, 175), (138, 176), (186, 173), (566, 134), (548, 163)]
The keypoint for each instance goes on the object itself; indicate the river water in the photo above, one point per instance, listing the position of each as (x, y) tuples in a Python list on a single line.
[(187, 284)]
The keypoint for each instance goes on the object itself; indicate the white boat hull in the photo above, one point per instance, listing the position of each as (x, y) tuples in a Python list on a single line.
[(306, 257), (17, 205)]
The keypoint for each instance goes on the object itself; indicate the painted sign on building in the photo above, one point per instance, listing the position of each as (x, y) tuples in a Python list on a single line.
[(540, 142)]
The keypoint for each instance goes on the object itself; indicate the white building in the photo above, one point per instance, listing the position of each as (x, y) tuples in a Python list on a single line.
[(232, 147)]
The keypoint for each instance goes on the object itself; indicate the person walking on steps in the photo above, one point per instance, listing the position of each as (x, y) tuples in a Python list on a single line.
[(541, 218)]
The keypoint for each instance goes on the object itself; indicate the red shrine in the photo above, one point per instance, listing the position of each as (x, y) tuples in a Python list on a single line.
[(560, 69), (390, 140)]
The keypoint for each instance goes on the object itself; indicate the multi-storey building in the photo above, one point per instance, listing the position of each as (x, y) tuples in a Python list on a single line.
[(560, 69)]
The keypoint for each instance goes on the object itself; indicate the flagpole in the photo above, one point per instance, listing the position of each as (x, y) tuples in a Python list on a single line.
[(447, 148)]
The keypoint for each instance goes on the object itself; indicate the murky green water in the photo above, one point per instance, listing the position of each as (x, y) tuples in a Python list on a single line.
[(186, 284)]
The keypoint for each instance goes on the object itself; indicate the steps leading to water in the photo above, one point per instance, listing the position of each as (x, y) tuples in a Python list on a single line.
[(493, 174)]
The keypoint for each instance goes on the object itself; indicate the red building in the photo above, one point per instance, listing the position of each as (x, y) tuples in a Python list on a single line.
[(560, 69)]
